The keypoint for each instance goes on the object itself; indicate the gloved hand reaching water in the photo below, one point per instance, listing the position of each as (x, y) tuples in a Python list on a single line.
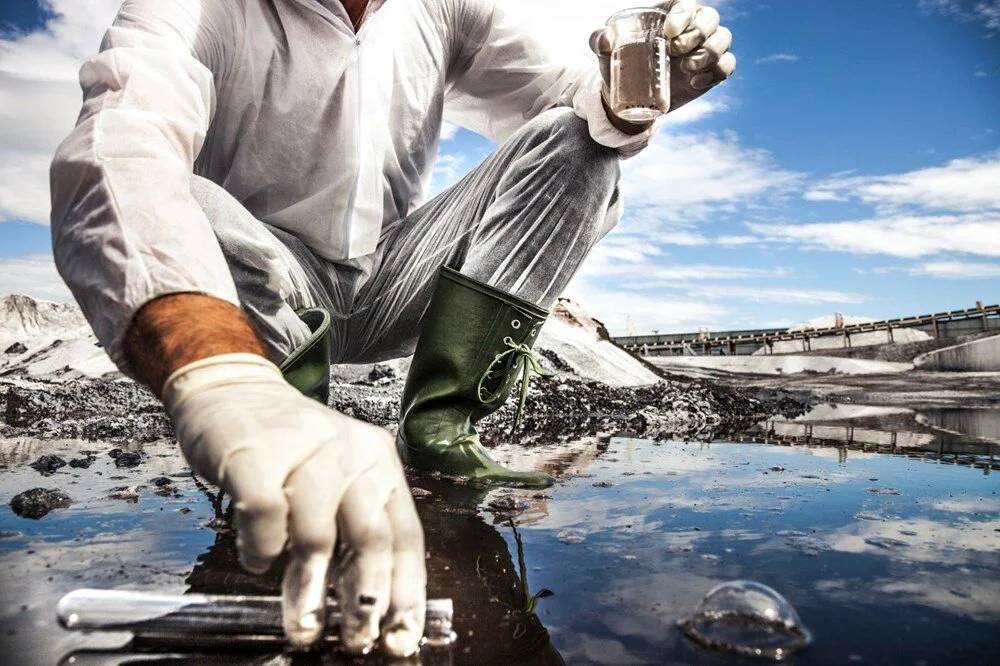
[(304, 475), (698, 48)]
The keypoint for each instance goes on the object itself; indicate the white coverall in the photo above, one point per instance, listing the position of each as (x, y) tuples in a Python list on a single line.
[(324, 140)]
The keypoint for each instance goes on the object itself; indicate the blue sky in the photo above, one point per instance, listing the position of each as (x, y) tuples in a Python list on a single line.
[(851, 165)]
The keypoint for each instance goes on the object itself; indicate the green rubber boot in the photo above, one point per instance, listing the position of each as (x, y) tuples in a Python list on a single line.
[(307, 368), (474, 345)]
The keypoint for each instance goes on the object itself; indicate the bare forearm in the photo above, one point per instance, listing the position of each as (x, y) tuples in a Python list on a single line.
[(171, 331)]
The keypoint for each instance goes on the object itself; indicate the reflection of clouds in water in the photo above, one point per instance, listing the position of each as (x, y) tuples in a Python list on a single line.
[(958, 593), (597, 650), (640, 607), (961, 594), (829, 411), (825, 452), (608, 512), (106, 560), (925, 540), (977, 505)]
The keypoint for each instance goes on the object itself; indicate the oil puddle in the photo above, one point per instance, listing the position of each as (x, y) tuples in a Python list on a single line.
[(598, 569)]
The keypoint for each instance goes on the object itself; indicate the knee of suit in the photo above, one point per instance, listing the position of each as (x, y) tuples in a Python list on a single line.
[(567, 138), (583, 162), (258, 261)]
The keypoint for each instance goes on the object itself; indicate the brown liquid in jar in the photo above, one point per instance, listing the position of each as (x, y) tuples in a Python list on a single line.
[(639, 80)]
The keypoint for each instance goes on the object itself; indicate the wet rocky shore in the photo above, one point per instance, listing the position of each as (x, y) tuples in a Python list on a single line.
[(558, 409)]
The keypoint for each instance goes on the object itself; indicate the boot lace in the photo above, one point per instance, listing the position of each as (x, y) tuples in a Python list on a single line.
[(524, 356)]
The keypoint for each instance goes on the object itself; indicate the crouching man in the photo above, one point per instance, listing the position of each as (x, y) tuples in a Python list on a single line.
[(239, 205)]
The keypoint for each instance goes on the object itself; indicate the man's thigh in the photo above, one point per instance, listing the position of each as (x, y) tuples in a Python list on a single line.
[(389, 306), (522, 221)]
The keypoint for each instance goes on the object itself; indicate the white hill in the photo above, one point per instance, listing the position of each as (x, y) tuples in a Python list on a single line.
[(583, 343), (830, 321), (34, 322)]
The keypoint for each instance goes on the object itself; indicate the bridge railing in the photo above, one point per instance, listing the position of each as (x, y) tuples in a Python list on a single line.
[(767, 337)]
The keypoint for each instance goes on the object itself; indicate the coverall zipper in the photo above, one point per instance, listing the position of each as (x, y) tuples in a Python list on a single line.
[(358, 116)]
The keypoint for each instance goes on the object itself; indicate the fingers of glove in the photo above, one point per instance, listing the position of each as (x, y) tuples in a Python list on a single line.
[(600, 42), (703, 24), (404, 625), (679, 14), (710, 52), (261, 510), (312, 492), (364, 566), (722, 71)]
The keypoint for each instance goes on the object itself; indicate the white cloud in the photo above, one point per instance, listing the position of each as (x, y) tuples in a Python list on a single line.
[(685, 178), (448, 169), (625, 312), (954, 207), (697, 110), (40, 99), (448, 131), (969, 184), (33, 275), (899, 236), (958, 270), (777, 57), (817, 194), (985, 11), (633, 259), (761, 294), (736, 240)]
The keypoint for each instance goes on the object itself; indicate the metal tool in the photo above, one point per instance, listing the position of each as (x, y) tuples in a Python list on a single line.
[(211, 620)]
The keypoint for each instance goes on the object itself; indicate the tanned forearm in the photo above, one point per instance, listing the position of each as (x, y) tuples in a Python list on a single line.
[(171, 331)]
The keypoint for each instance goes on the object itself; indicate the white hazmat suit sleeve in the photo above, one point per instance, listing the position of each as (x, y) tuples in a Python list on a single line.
[(503, 75), (125, 227)]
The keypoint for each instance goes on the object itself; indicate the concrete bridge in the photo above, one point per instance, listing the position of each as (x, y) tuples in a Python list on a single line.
[(940, 324)]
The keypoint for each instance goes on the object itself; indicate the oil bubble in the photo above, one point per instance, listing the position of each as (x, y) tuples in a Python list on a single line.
[(749, 619)]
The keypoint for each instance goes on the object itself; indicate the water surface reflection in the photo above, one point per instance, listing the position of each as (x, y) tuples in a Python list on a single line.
[(888, 559)]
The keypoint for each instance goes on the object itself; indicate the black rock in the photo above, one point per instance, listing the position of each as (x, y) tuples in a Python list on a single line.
[(37, 502), (83, 463), (16, 348), (114, 453), (161, 481), (48, 464), (380, 371), (128, 459)]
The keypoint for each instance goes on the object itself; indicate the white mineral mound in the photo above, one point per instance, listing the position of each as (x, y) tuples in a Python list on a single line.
[(583, 343), (779, 365), (51, 340), (34, 323), (899, 335), (830, 321)]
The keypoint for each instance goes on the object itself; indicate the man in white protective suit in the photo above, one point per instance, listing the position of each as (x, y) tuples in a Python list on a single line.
[(239, 206)]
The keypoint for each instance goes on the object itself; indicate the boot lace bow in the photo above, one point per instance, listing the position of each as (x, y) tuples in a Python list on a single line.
[(522, 355)]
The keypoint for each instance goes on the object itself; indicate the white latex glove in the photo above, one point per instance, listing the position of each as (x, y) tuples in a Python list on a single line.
[(301, 475), (699, 50)]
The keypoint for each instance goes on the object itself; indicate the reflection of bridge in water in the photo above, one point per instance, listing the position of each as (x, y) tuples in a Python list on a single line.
[(938, 445)]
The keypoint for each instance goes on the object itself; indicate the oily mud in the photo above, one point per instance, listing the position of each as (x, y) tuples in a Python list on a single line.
[(560, 408)]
